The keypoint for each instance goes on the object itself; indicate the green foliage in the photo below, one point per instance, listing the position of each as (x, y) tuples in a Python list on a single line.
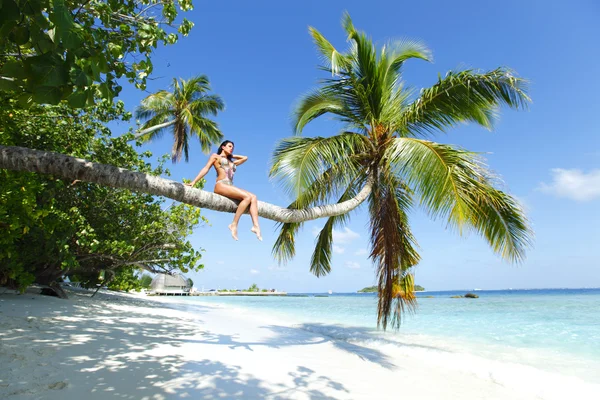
[(75, 51), (51, 227), (382, 141), (190, 282), (185, 112), (253, 288), (124, 279), (145, 281)]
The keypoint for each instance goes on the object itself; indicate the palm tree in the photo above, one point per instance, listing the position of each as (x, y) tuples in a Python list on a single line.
[(385, 140), (185, 110)]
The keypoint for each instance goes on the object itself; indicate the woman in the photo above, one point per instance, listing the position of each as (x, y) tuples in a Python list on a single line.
[(225, 163)]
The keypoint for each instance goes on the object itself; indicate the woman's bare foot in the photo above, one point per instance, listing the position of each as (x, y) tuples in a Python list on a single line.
[(233, 229), (256, 231)]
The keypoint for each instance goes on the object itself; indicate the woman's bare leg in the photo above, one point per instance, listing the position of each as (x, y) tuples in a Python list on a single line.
[(254, 214), (238, 194)]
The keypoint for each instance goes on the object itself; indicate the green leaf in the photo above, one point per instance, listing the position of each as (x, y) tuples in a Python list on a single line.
[(8, 85), (105, 91), (9, 11), (25, 100), (7, 27), (20, 35), (78, 99), (66, 29), (82, 79), (48, 70), (13, 69), (30, 7), (47, 95)]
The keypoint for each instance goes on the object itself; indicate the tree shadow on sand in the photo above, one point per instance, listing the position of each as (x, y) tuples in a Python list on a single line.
[(101, 351)]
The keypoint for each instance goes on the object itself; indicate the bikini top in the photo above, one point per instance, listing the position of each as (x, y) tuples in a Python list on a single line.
[(229, 168)]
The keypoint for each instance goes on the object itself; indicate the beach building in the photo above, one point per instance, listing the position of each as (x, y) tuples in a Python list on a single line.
[(169, 285)]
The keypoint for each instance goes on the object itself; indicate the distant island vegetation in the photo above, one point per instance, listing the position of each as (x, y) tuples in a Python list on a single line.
[(372, 289)]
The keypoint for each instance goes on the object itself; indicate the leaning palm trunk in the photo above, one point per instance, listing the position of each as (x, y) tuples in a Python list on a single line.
[(71, 168), (147, 131)]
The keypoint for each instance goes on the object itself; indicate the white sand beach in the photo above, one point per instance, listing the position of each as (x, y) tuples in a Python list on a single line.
[(132, 347)]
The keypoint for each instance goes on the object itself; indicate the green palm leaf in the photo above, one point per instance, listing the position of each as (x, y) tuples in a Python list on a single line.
[(284, 248), (320, 263), (455, 184), (461, 97), (298, 161), (334, 60), (314, 105)]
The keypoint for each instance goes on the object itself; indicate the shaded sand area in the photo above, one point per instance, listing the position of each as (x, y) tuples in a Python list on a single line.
[(129, 347)]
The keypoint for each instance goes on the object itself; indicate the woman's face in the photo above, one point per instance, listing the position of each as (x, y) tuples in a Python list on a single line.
[(228, 149)]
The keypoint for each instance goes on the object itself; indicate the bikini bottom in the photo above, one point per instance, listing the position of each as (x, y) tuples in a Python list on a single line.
[(226, 182)]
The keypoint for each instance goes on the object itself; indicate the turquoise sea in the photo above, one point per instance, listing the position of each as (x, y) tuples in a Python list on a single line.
[(553, 330)]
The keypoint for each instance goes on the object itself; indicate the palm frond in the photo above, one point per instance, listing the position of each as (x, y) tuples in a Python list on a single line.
[(204, 105), (333, 181), (404, 49), (314, 105), (208, 132), (284, 248), (195, 86), (298, 162), (464, 96), (455, 184), (500, 220), (320, 263), (392, 244), (404, 290), (333, 59), (431, 170), (156, 103)]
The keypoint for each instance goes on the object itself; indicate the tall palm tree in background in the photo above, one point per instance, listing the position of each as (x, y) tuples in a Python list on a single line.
[(184, 111), (385, 144)]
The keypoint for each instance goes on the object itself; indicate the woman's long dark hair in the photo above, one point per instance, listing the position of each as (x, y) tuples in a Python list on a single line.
[(220, 150)]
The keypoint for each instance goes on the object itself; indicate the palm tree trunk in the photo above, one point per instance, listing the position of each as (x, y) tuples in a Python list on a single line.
[(139, 134), (71, 168)]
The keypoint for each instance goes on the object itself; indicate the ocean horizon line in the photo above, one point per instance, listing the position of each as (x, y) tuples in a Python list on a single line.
[(460, 290)]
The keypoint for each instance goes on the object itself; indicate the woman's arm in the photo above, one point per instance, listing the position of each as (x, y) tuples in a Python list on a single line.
[(203, 171), (239, 159)]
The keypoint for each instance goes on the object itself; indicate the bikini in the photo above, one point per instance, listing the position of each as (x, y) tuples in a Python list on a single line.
[(229, 171)]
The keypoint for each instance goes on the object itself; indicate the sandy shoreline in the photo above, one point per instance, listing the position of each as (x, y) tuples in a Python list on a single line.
[(126, 346)]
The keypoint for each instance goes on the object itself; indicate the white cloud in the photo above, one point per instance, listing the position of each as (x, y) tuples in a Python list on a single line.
[(361, 252), (344, 236), (254, 271), (338, 249), (573, 184), (352, 265)]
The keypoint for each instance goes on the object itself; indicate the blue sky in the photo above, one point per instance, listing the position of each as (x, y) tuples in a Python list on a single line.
[(260, 59)]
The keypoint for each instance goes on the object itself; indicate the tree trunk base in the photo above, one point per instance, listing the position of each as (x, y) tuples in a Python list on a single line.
[(55, 290)]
